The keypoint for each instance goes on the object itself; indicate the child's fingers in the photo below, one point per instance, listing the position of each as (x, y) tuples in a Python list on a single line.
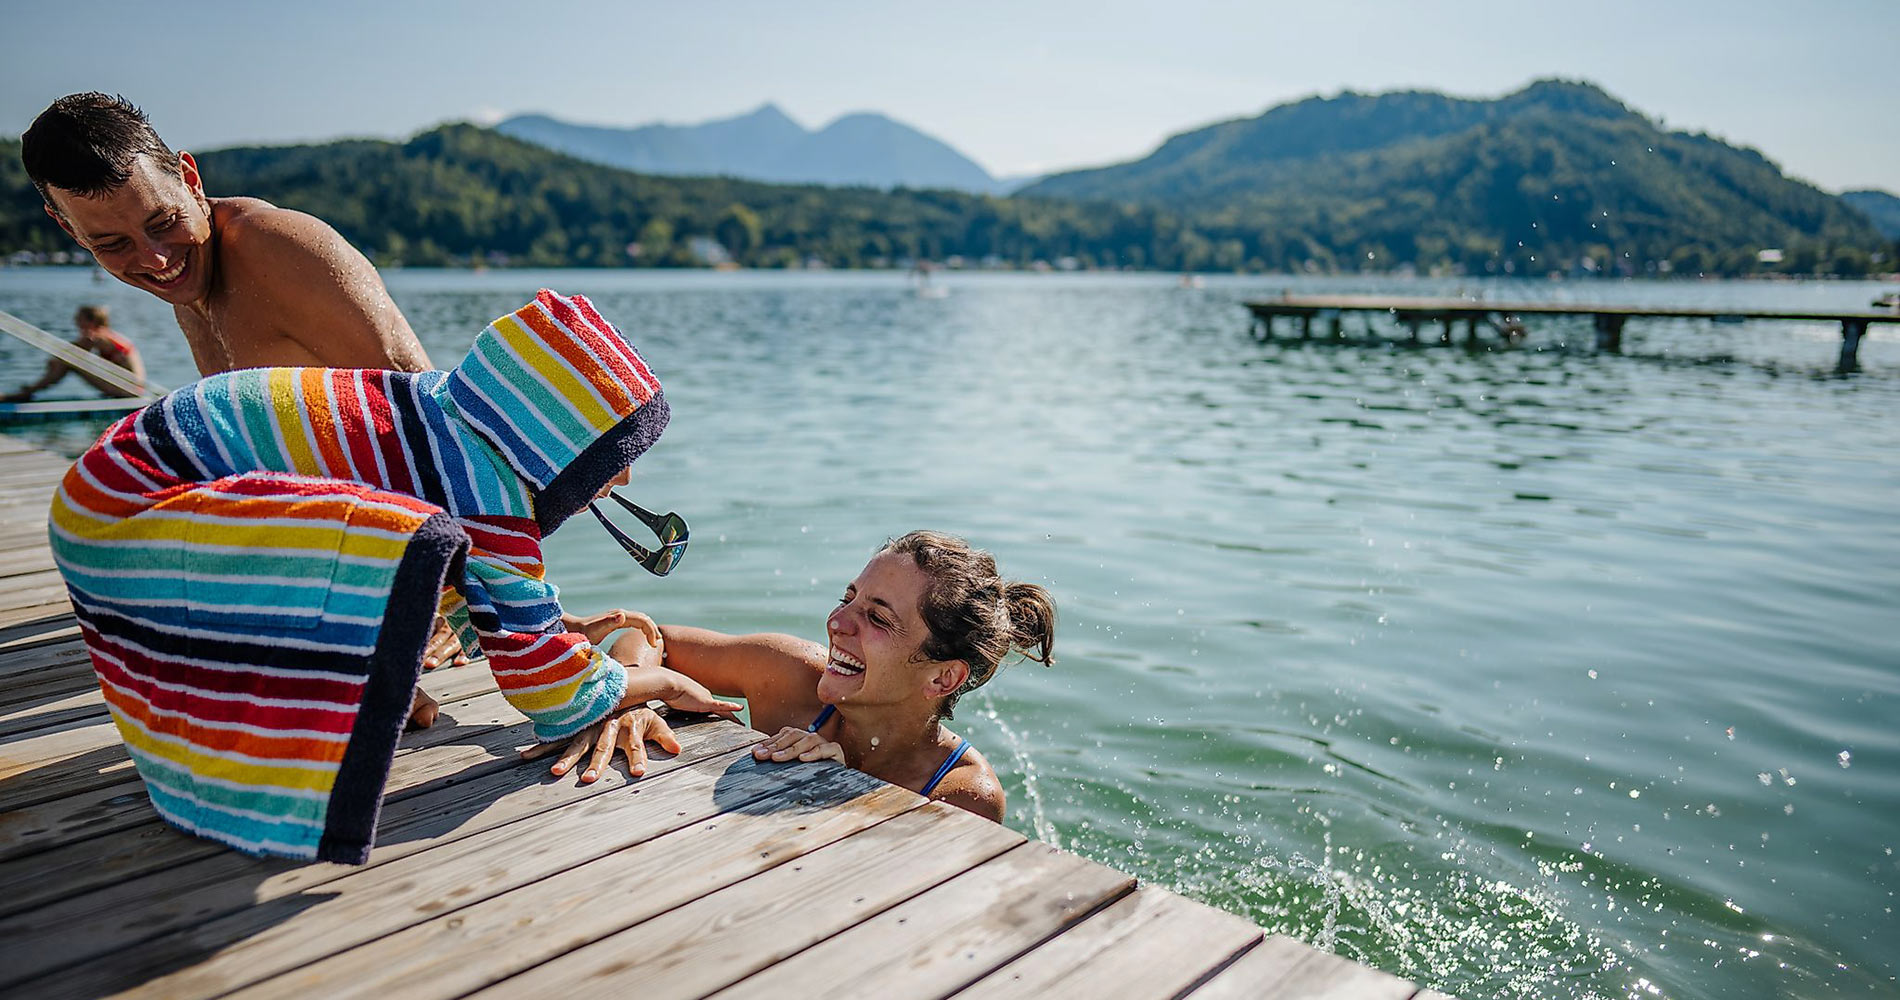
[(603, 750), (659, 732), (635, 746), (571, 753)]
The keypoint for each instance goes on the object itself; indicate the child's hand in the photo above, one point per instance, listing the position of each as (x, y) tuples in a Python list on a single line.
[(422, 710), (599, 627), (627, 731), (444, 647), (797, 744)]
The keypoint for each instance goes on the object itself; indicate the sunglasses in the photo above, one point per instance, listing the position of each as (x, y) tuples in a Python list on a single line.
[(671, 529)]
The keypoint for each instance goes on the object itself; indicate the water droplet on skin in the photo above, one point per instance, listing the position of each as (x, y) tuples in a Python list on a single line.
[(1845, 758)]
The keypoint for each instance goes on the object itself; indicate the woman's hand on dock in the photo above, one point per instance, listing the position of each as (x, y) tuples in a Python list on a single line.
[(797, 744), (629, 731)]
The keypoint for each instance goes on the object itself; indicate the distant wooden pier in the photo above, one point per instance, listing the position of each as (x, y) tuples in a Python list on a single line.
[(1507, 318), (712, 874)]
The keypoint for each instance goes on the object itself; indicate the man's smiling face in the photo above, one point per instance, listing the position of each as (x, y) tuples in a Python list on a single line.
[(152, 232)]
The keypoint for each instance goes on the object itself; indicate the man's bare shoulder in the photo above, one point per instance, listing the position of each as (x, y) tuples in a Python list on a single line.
[(249, 226)]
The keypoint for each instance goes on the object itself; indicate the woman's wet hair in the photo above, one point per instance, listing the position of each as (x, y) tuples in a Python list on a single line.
[(89, 143), (972, 613)]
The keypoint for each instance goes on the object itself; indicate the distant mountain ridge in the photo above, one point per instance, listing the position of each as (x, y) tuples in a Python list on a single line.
[(863, 149), (1560, 170), (1881, 208)]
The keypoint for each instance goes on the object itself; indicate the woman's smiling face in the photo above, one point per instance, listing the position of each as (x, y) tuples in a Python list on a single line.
[(875, 633)]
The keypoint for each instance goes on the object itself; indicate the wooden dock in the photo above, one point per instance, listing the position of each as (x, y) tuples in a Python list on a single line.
[(712, 874), (1507, 318)]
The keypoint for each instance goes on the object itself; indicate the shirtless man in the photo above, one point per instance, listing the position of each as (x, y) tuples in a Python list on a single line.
[(252, 285)]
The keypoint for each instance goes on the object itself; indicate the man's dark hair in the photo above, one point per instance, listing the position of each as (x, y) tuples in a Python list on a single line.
[(87, 144)]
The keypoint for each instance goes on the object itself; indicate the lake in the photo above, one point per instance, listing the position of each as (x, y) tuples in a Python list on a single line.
[(1519, 672)]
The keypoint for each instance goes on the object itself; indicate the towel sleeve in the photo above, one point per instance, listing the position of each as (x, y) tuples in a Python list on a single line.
[(556, 678)]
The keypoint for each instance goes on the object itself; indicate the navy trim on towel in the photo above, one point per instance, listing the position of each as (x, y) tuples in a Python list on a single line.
[(437, 548), (573, 487)]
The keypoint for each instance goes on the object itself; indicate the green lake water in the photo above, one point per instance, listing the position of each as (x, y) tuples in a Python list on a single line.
[(1528, 672)]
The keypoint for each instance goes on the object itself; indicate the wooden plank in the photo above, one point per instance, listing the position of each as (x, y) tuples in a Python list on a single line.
[(56, 710), (65, 675), (54, 621), (1283, 967), (49, 605), (60, 760), (473, 947), (285, 930), (719, 938), (46, 855), (1151, 943), (431, 793), (23, 658), (439, 805), (108, 809), (937, 943), (20, 566)]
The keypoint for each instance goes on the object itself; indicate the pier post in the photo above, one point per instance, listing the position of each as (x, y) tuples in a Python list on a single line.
[(1444, 336), (1851, 332), (1412, 323), (1306, 327), (1339, 326), (1609, 332), (1471, 330)]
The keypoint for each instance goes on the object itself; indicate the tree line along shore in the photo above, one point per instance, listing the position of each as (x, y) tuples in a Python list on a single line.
[(1551, 189)]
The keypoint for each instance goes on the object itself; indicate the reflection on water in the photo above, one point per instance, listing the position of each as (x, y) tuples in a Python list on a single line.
[(1519, 672)]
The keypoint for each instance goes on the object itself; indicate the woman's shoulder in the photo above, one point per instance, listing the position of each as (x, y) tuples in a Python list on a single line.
[(972, 786)]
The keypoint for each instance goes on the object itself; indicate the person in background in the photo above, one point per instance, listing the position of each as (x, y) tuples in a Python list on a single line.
[(96, 337), (927, 621)]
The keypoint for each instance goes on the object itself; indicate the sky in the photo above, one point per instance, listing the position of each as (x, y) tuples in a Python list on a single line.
[(1021, 87)]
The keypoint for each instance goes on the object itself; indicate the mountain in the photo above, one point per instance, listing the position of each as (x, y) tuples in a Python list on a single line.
[(864, 149), (1880, 208), (1559, 171), (459, 194)]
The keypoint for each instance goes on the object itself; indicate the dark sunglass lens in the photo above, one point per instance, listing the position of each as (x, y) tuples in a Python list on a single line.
[(668, 558), (672, 530)]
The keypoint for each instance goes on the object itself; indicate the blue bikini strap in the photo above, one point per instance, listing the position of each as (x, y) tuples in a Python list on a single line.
[(823, 717), (963, 747)]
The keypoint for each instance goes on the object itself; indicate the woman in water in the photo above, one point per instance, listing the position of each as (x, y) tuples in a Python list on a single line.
[(927, 621)]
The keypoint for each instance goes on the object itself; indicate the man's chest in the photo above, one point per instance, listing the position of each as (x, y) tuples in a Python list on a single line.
[(233, 335)]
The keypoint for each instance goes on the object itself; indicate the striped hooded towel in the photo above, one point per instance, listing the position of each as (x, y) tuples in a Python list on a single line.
[(255, 561)]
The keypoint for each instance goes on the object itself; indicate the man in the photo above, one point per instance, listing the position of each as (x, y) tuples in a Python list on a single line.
[(96, 337), (252, 285)]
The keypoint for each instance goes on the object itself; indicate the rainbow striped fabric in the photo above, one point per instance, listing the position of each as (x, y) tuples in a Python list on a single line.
[(255, 561)]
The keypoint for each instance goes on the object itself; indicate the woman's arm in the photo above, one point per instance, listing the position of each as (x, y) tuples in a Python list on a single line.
[(776, 674)]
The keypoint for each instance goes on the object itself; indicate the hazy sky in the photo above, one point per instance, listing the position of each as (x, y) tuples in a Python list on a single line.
[(1020, 87)]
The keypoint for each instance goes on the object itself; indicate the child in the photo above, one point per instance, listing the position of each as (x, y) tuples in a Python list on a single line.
[(255, 562)]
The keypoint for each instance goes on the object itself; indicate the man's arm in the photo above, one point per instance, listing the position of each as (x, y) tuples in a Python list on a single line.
[(55, 370), (330, 297)]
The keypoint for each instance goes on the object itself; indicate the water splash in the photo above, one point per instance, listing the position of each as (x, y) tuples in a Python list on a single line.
[(1024, 765)]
